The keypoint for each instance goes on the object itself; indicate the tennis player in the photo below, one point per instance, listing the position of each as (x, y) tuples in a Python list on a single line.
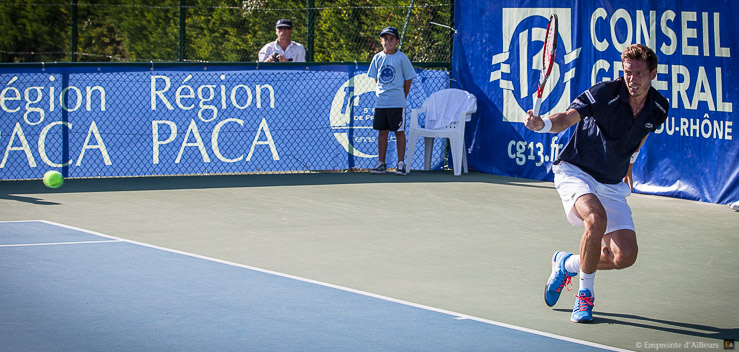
[(593, 173)]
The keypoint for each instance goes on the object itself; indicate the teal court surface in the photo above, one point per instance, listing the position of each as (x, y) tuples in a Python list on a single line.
[(345, 261)]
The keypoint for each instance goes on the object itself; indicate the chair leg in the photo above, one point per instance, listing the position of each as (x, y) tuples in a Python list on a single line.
[(464, 159), (428, 148), (457, 147), (411, 141)]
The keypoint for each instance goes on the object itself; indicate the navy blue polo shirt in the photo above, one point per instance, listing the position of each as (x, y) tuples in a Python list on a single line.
[(607, 133)]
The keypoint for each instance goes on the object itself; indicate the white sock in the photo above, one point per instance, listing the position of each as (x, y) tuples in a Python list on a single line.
[(572, 264), (586, 282)]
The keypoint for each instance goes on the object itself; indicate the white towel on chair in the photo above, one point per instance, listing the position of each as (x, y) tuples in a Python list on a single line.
[(447, 107)]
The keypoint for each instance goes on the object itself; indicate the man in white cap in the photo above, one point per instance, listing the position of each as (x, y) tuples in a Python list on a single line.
[(283, 49)]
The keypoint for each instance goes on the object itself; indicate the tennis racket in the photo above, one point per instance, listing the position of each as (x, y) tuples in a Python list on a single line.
[(547, 56)]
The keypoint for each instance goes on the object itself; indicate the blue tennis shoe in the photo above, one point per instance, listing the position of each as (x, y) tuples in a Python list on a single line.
[(583, 311), (558, 279)]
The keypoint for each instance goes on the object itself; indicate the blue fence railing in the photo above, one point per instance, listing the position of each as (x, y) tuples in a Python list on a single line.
[(136, 120)]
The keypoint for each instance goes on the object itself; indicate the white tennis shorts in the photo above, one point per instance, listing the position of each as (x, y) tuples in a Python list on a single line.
[(571, 183)]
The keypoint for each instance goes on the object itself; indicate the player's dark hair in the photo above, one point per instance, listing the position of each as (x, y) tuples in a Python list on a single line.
[(640, 52)]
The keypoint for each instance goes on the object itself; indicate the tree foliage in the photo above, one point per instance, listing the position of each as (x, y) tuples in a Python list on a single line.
[(226, 30), (34, 32)]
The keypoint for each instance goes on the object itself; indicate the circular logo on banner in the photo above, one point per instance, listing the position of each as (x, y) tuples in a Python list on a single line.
[(517, 68), (529, 47), (352, 114)]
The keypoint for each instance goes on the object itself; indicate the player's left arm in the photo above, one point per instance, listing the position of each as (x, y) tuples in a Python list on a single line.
[(409, 74), (629, 179)]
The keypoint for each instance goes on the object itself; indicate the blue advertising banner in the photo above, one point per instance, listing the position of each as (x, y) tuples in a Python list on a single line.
[(497, 57), (173, 120)]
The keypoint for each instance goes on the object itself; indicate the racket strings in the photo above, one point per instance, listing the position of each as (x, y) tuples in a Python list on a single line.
[(550, 48)]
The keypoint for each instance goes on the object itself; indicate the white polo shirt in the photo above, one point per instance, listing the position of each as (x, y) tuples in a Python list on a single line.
[(295, 51)]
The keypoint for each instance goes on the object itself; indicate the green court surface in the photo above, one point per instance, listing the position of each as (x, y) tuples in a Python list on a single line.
[(477, 244)]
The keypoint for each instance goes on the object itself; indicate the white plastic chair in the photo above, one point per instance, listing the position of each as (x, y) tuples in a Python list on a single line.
[(447, 111)]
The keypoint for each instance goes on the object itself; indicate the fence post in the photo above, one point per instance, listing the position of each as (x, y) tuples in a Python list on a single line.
[(309, 43), (64, 100), (454, 33), (73, 39), (350, 110), (407, 17), (181, 44)]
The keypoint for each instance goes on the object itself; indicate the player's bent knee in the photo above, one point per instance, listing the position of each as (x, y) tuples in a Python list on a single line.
[(625, 258), (596, 222)]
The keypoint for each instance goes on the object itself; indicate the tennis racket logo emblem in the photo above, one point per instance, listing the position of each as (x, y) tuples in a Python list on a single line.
[(517, 69)]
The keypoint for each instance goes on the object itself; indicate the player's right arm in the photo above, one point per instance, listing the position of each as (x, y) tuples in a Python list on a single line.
[(560, 121)]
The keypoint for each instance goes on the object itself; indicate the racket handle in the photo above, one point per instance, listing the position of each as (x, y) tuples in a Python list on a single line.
[(537, 106)]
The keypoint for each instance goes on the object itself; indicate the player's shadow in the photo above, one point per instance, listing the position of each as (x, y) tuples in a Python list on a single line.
[(677, 327), (24, 199)]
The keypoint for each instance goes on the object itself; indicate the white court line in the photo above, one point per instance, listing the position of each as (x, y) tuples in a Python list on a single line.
[(457, 316), (55, 243)]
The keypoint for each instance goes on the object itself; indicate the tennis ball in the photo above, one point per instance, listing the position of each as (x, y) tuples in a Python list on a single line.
[(53, 179)]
